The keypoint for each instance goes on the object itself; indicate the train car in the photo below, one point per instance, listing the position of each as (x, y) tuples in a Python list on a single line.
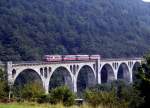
[(69, 57), (94, 57), (52, 58), (82, 57)]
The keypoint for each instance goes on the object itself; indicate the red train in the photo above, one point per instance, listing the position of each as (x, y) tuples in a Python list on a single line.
[(51, 58)]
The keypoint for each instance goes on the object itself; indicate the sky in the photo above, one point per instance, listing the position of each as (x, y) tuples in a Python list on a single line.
[(146, 0)]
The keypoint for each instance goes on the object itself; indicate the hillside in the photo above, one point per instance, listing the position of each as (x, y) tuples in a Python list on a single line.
[(112, 28)]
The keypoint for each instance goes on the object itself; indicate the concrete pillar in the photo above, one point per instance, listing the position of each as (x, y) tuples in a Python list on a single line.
[(116, 72), (98, 71), (74, 84), (131, 77), (9, 72), (46, 85), (99, 77), (9, 77)]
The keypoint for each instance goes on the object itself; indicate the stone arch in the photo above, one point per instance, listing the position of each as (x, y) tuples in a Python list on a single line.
[(107, 73), (85, 78), (27, 76), (135, 70), (123, 72), (80, 67), (59, 77)]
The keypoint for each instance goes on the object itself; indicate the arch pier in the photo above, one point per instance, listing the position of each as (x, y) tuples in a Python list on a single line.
[(77, 75)]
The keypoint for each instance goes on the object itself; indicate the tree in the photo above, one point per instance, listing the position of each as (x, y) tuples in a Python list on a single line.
[(128, 94), (112, 28), (30, 92), (3, 85), (62, 95), (143, 81), (118, 93), (103, 98)]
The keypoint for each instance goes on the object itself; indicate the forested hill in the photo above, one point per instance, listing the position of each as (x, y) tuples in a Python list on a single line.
[(112, 28)]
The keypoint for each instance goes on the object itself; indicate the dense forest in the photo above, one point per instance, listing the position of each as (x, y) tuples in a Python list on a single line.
[(112, 28)]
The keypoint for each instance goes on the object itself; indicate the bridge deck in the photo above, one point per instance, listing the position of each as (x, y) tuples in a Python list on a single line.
[(42, 62), (27, 63)]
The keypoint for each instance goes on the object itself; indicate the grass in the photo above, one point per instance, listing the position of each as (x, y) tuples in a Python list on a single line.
[(35, 105)]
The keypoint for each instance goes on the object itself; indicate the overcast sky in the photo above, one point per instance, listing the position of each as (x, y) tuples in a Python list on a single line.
[(146, 0)]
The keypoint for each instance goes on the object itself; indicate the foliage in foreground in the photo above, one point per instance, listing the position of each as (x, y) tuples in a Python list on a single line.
[(33, 92), (29, 92), (3, 85), (143, 81), (62, 95), (118, 94), (104, 98), (35, 105), (58, 95)]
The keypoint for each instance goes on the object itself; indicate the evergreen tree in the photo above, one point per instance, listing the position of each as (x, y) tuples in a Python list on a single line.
[(143, 81)]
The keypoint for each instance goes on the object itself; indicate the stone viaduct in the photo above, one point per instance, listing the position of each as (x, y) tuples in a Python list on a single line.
[(95, 71)]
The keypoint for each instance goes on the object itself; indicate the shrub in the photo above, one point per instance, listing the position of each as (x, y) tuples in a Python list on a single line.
[(4, 89), (62, 95), (31, 91), (126, 93), (44, 98), (96, 98)]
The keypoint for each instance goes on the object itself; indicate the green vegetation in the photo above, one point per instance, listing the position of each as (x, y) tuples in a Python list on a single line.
[(118, 94), (143, 81), (112, 28), (62, 95), (30, 92), (59, 95), (3, 85), (95, 99), (33, 92), (35, 105)]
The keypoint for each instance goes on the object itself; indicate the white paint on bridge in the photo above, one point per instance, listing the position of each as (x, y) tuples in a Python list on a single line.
[(102, 71)]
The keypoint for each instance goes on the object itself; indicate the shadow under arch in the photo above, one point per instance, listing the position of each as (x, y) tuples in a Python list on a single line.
[(123, 72), (85, 79), (60, 77), (27, 76), (107, 74), (135, 70)]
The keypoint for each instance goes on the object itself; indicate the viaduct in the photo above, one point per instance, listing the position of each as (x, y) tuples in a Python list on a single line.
[(77, 75)]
